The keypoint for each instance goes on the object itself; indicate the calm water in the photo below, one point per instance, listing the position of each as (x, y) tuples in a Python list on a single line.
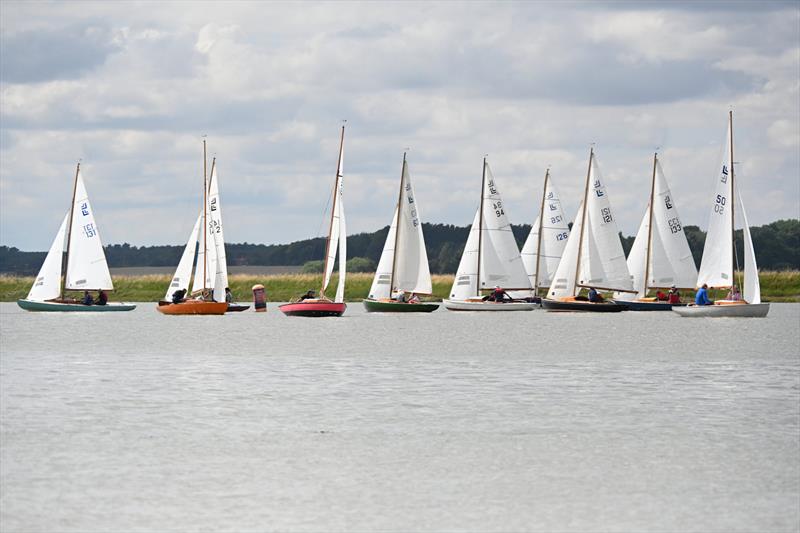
[(481, 422)]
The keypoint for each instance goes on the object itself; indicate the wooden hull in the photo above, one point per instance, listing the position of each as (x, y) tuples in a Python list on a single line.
[(375, 306), (478, 305), (32, 305), (644, 305), (236, 308), (193, 307), (723, 309), (314, 308), (571, 305)]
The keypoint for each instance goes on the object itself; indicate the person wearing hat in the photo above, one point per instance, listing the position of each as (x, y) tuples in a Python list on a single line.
[(674, 296)]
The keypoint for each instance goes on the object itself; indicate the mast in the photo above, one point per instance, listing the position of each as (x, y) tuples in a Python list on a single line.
[(480, 225), (397, 229), (650, 226), (69, 228), (734, 259), (583, 217), (333, 210), (205, 218), (539, 240)]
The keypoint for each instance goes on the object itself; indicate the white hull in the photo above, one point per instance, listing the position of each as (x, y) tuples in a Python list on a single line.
[(741, 310), (461, 305)]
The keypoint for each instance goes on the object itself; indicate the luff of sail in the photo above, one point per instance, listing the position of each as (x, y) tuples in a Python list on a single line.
[(554, 236), (180, 281), (47, 284), (86, 266), (404, 260), (716, 267)]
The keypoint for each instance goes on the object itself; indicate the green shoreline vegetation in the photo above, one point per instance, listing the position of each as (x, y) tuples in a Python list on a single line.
[(776, 286)]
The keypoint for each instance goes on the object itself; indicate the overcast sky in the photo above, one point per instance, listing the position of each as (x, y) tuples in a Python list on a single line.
[(131, 87)]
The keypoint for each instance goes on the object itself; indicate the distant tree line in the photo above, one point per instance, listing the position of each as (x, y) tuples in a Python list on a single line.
[(777, 247)]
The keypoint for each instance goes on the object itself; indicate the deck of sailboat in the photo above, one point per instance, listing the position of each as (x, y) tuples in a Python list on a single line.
[(723, 309), (392, 306), (76, 306)]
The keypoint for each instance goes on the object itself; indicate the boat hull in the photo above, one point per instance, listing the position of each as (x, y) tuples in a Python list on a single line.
[(236, 308), (637, 305), (313, 309), (582, 306), (193, 307), (466, 305), (33, 305), (724, 310), (375, 306)]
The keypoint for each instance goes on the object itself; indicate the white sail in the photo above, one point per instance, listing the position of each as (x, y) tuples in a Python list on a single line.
[(672, 261), (337, 239), (752, 287), (180, 281), (465, 284), (217, 236), (563, 284), (637, 259), (383, 273), (48, 282), (603, 262), (410, 259), (501, 264), (86, 267), (555, 233), (206, 254), (716, 267)]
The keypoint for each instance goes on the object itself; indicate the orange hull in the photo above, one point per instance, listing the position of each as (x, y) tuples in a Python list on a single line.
[(194, 307)]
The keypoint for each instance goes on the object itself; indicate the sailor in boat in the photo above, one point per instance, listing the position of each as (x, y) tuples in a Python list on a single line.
[(179, 296), (87, 298), (702, 296), (660, 296), (498, 295), (102, 298), (594, 296), (674, 295), (309, 295), (228, 295), (734, 294), (414, 299), (400, 297)]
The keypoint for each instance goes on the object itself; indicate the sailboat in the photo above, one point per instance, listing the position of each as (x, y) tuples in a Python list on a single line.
[(660, 257), (84, 268), (547, 239), (593, 257), (208, 292), (403, 266), (717, 265), (490, 258), (337, 239)]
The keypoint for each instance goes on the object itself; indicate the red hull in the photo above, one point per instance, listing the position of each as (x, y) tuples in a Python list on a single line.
[(313, 309)]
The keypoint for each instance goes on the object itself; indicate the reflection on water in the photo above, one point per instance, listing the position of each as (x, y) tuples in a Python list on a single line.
[(448, 421)]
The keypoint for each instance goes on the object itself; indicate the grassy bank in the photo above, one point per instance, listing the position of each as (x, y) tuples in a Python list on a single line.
[(775, 286)]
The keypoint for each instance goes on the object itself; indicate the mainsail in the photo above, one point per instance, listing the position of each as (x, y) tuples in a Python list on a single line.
[(337, 235), (716, 267), (403, 265), (554, 234), (48, 282), (86, 262)]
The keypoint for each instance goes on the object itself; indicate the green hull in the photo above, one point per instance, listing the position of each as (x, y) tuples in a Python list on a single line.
[(373, 306), (31, 305)]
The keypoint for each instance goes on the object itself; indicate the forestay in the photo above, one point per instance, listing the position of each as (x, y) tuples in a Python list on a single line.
[(180, 281), (86, 268), (404, 249), (48, 282), (716, 267), (555, 233)]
